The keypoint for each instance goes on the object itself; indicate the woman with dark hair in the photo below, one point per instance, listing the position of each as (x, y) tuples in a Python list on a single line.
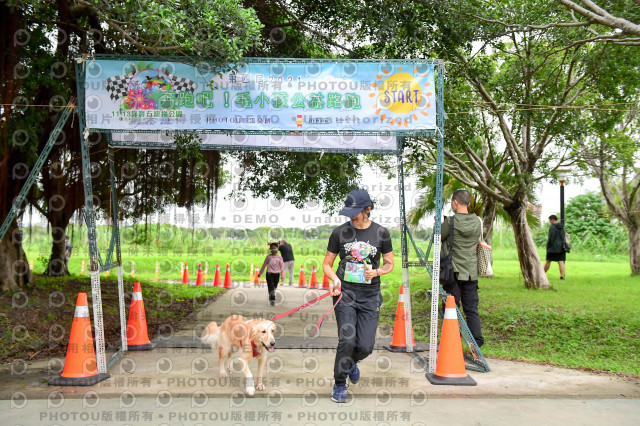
[(360, 243)]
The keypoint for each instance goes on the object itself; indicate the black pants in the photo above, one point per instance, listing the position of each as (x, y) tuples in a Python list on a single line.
[(357, 316), (272, 284), (467, 293)]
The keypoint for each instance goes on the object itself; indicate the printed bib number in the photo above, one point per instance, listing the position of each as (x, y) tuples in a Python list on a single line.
[(354, 273)]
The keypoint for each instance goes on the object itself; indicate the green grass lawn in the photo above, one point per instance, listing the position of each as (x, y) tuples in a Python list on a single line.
[(590, 320)]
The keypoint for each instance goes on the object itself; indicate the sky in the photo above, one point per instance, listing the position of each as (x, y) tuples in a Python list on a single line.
[(255, 212)]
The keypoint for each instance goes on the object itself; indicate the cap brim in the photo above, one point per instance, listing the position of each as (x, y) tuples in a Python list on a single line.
[(351, 211)]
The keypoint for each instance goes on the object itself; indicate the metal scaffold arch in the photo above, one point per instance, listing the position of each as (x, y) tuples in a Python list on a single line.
[(285, 105)]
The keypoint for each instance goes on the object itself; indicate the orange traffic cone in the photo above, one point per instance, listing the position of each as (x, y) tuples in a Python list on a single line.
[(227, 278), (251, 272), (80, 363), (216, 276), (302, 282), (399, 339), (185, 274), (450, 369), (313, 281), (199, 276), (325, 281), (137, 336), (256, 277)]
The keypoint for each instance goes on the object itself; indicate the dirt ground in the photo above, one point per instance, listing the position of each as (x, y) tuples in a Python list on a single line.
[(35, 323)]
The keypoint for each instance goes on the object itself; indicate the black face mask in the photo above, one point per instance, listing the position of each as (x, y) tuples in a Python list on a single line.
[(274, 251)]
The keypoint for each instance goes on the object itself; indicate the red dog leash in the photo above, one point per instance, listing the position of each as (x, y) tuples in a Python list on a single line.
[(301, 307)]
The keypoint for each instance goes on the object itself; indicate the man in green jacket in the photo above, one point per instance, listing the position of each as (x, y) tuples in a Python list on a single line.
[(467, 230)]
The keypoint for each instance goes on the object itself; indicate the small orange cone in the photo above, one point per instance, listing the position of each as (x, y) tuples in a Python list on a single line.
[(256, 277), (216, 276), (302, 282), (251, 271), (82, 268), (399, 339), (227, 278), (137, 335), (325, 281), (157, 274), (185, 274), (450, 369), (199, 276), (80, 363), (206, 271), (313, 281)]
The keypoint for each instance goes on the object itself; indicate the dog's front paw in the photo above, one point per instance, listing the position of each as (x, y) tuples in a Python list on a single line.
[(249, 386), (223, 373), (260, 387)]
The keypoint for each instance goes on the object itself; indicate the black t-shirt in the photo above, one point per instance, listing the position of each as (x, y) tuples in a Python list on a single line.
[(356, 246), (286, 251)]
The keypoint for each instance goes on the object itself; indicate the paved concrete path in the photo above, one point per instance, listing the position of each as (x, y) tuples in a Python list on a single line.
[(181, 385)]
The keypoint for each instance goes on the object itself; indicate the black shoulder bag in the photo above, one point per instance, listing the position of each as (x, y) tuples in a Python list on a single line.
[(447, 275)]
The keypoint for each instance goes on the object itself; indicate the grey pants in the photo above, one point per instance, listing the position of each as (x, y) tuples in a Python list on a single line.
[(288, 267)]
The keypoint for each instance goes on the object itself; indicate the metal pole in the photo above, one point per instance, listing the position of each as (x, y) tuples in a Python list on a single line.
[(116, 235), (408, 327), (35, 170), (435, 278), (562, 201), (94, 264)]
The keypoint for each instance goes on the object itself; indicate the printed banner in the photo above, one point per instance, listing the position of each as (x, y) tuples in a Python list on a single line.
[(243, 141), (306, 97)]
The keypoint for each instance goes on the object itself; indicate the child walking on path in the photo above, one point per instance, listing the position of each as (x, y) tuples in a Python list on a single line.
[(275, 266)]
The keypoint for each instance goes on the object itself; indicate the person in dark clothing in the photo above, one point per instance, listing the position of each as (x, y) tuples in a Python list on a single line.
[(360, 243), (555, 252), (287, 257), (275, 266), (68, 248), (467, 230)]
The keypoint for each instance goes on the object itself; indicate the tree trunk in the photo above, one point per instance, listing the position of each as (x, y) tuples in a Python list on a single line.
[(488, 216), (530, 265), (634, 249), (57, 261), (14, 267)]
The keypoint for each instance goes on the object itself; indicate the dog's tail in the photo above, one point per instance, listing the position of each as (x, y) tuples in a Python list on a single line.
[(211, 334)]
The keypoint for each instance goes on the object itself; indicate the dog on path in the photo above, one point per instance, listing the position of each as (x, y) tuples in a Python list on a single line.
[(241, 339)]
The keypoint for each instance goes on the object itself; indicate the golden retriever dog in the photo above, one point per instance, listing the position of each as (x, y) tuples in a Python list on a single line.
[(241, 339)]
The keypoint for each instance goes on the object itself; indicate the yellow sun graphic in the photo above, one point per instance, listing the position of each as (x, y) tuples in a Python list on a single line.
[(400, 94)]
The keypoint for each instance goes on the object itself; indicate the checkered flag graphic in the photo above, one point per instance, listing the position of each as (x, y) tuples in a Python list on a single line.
[(181, 84), (117, 85)]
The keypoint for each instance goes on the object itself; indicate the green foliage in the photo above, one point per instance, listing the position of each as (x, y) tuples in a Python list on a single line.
[(586, 213), (298, 177), (219, 30)]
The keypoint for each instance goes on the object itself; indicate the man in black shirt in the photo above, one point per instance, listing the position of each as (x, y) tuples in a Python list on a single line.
[(287, 257), (360, 243)]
